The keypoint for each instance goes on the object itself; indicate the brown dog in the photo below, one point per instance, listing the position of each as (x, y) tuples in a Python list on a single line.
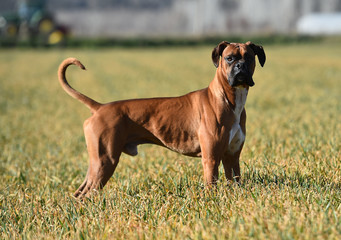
[(208, 123)]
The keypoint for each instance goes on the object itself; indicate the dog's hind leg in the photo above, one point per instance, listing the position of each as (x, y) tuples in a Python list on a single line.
[(103, 160), (81, 187), (99, 172)]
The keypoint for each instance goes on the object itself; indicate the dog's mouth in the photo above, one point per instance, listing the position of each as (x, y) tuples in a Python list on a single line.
[(241, 79)]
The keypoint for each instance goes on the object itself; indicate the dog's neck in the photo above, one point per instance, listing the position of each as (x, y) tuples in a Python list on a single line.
[(240, 94), (235, 97)]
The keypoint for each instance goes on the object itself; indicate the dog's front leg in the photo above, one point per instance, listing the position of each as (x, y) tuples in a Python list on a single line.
[(231, 166), (211, 173), (210, 159)]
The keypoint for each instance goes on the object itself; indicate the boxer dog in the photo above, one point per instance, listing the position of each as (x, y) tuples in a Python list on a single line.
[(208, 123)]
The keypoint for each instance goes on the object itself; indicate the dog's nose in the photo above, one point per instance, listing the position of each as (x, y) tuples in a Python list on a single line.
[(239, 65)]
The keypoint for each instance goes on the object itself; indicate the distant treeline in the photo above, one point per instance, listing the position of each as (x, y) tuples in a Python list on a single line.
[(176, 42), (105, 4)]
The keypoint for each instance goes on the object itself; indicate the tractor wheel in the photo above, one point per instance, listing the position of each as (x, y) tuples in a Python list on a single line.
[(45, 26), (11, 30), (9, 34), (56, 37)]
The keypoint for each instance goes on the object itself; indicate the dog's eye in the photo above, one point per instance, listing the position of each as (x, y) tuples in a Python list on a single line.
[(229, 59)]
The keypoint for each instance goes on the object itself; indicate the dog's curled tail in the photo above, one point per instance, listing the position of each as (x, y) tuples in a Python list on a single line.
[(90, 103)]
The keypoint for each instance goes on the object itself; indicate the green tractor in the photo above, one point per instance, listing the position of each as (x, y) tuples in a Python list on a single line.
[(31, 22)]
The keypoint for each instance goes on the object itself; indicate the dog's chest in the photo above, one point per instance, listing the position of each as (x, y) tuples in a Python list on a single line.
[(237, 137)]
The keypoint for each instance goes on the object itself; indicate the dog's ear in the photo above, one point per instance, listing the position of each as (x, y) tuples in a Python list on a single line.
[(259, 51), (217, 51)]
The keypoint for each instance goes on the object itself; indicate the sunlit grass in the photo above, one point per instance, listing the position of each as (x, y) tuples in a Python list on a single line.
[(291, 170)]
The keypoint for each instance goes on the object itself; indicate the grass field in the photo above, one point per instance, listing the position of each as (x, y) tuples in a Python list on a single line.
[(291, 168)]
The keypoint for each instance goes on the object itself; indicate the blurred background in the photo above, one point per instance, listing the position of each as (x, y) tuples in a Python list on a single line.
[(48, 22)]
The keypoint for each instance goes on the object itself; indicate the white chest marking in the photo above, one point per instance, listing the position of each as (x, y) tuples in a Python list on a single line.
[(237, 136)]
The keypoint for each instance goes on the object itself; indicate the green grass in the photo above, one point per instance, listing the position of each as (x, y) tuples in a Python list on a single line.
[(291, 170)]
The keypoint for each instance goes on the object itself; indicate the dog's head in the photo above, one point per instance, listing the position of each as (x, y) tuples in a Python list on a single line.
[(237, 61)]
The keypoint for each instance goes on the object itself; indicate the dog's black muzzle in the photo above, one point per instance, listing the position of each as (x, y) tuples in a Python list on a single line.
[(240, 75)]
